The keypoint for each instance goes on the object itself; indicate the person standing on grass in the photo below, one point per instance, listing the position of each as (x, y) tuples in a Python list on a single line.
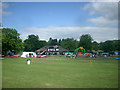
[(26, 55), (111, 55)]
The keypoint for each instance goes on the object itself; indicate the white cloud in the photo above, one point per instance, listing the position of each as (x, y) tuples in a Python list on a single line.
[(107, 11), (104, 22), (98, 33)]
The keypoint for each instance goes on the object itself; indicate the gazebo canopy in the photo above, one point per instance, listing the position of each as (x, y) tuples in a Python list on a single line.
[(47, 47)]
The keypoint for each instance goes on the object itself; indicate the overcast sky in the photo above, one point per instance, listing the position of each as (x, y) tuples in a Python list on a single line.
[(62, 19)]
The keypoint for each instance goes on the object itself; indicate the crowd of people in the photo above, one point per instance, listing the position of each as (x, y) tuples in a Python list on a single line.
[(91, 55)]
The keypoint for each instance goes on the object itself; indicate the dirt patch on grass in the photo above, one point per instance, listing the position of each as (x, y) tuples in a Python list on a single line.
[(47, 84)]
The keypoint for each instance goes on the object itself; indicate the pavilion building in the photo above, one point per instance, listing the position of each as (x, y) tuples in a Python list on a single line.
[(51, 50)]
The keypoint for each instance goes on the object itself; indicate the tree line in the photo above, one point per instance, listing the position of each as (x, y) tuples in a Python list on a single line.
[(11, 41)]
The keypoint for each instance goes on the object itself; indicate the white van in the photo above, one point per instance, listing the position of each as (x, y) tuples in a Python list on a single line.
[(28, 54)]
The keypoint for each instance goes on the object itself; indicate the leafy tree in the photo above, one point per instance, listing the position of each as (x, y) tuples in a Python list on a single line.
[(42, 43), (116, 45), (109, 45), (53, 42), (11, 41), (63, 39), (59, 42), (95, 45), (32, 43), (49, 42), (86, 42), (69, 44), (100, 45)]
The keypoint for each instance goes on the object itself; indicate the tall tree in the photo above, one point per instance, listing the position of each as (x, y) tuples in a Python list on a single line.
[(11, 41), (116, 45), (59, 42), (69, 44), (54, 42), (107, 46), (86, 42), (42, 43), (50, 40), (32, 43), (95, 45)]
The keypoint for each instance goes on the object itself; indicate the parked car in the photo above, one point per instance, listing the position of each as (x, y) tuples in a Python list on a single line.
[(105, 54)]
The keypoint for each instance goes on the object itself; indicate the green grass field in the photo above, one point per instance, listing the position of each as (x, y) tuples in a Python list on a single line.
[(60, 72)]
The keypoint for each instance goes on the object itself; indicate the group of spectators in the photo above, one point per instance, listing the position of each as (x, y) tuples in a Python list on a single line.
[(95, 55)]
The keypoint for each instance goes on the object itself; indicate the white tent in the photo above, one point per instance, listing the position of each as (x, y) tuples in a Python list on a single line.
[(29, 54)]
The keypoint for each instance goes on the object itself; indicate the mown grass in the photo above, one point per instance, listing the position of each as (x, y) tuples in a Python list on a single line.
[(0, 74), (60, 72)]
